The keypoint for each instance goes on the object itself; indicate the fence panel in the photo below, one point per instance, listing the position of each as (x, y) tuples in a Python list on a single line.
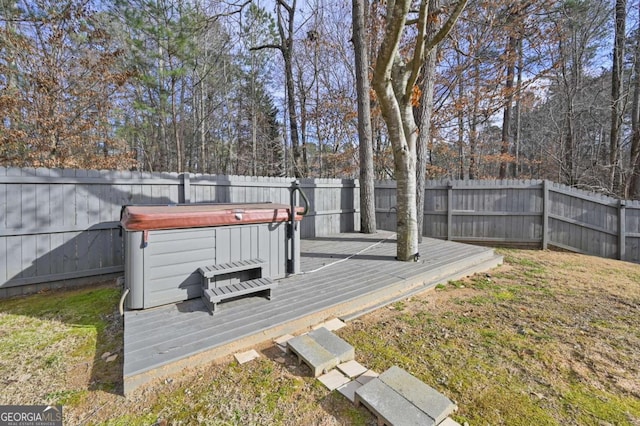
[(523, 212), (60, 225), (583, 222)]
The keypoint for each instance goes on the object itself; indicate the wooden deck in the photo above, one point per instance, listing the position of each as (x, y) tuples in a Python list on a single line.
[(344, 275)]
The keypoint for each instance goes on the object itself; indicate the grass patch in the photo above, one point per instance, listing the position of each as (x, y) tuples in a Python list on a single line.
[(548, 339), (592, 406), (45, 337)]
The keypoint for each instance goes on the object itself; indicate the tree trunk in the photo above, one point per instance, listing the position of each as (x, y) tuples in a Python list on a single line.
[(634, 185), (617, 98), (365, 135), (506, 118), (286, 47), (426, 110), (473, 125), (393, 80), (518, 136), (388, 61)]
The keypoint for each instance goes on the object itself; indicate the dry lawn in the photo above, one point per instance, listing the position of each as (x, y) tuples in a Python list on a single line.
[(548, 338)]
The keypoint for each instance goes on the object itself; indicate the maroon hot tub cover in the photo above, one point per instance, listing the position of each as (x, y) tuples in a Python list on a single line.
[(145, 218)]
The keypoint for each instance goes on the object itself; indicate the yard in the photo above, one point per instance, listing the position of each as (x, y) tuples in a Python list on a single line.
[(547, 338)]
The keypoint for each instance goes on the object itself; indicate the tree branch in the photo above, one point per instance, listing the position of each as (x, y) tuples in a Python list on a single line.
[(266, 46), (418, 52), (446, 29)]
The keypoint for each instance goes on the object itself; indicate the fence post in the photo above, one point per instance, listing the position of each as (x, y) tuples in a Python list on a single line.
[(622, 239), (184, 189), (545, 214), (449, 211)]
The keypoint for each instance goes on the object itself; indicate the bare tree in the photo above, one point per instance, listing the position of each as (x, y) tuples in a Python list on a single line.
[(394, 80), (425, 111), (618, 99), (634, 180), (365, 135)]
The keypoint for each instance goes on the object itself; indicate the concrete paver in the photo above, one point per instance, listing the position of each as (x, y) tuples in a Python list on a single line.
[(366, 377), (244, 357), (349, 390), (310, 352), (423, 396), (333, 379), (352, 368), (449, 422), (334, 344), (389, 406)]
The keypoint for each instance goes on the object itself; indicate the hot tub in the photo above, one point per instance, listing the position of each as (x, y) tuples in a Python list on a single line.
[(166, 245)]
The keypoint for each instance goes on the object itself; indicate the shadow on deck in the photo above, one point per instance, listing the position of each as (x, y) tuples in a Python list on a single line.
[(343, 276)]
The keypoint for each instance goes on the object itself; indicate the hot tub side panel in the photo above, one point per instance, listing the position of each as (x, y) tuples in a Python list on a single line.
[(134, 269), (171, 258)]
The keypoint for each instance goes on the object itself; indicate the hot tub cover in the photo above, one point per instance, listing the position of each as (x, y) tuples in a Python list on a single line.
[(145, 218)]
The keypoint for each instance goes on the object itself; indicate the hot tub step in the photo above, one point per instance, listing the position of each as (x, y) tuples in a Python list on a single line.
[(225, 274), (213, 296)]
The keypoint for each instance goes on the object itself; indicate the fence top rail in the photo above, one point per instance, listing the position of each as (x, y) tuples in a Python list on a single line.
[(120, 177), (443, 184), (587, 196), (76, 176)]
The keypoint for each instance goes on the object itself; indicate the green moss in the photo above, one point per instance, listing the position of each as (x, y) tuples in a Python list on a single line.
[(355, 417), (457, 284), (478, 300), (67, 397), (82, 306), (594, 406), (399, 306), (133, 420)]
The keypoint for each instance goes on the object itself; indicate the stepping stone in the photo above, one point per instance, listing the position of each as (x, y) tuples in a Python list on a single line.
[(366, 377), (398, 398), (426, 398), (349, 390), (245, 357), (321, 350), (313, 354), (352, 368), (281, 342), (333, 379), (331, 325), (389, 406), (341, 349), (449, 422)]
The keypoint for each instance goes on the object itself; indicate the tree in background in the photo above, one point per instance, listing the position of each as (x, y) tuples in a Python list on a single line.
[(618, 96), (633, 182), (365, 135), (60, 80), (521, 89)]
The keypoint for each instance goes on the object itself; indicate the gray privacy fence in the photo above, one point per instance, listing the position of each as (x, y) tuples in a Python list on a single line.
[(524, 213), (61, 225)]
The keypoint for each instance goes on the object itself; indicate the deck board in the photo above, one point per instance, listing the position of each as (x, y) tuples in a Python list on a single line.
[(157, 337)]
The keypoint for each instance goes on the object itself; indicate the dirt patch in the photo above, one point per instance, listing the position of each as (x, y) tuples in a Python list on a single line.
[(547, 336)]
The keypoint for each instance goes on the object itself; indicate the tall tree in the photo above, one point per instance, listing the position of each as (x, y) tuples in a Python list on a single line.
[(365, 135), (618, 99), (394, 80), (634, 160), (425, 111)]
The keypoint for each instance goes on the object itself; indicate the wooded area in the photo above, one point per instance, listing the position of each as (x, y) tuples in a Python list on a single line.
[(544, 89)]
